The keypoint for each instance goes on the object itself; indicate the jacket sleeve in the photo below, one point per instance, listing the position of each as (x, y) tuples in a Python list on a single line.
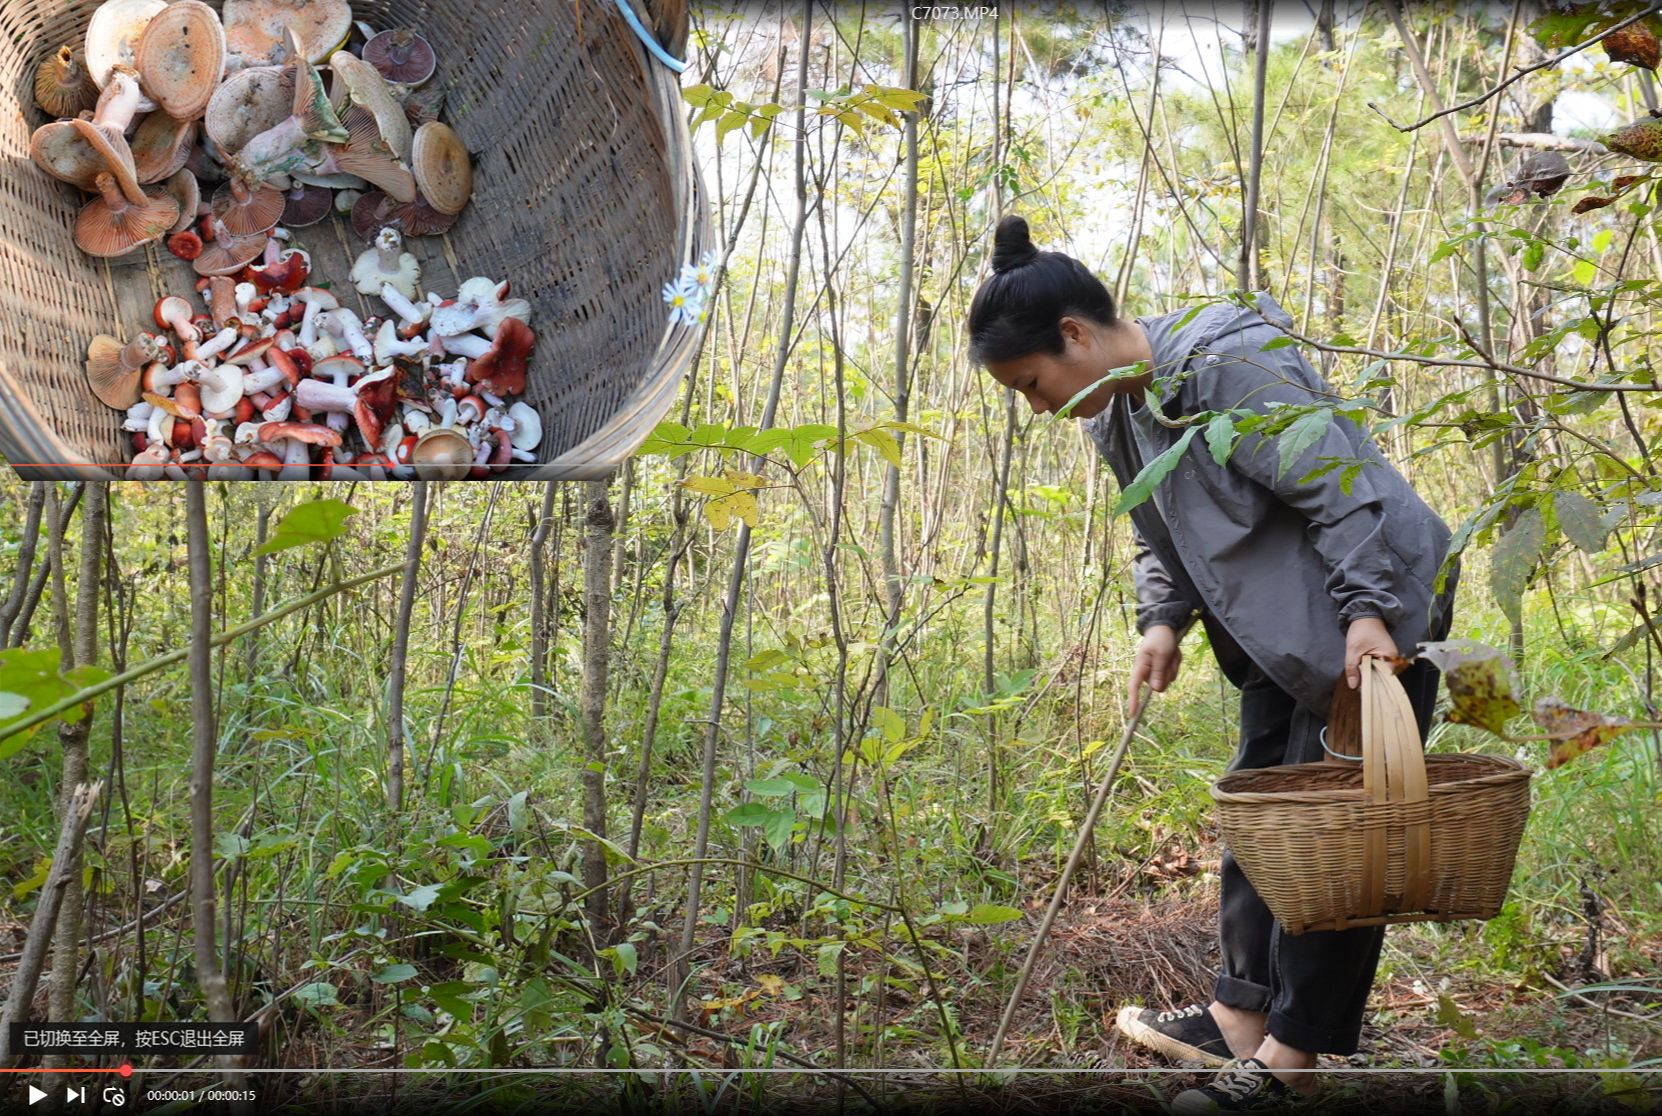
[(1348, 529), (1159, 600)]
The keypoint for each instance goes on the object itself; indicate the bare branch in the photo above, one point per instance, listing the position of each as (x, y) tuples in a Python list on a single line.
[(1523, 71)]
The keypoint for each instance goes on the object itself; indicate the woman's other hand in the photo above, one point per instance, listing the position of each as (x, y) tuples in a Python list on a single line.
[(1156, 663), (1367, 635)]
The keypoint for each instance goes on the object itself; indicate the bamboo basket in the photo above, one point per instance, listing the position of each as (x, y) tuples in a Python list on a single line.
[(1398, 837), (587, 198)]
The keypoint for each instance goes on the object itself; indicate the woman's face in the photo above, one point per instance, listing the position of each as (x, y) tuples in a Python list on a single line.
[(1049, 380)]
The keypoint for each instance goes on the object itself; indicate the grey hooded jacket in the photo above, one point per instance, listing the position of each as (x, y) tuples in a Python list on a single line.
[(1273, 568)]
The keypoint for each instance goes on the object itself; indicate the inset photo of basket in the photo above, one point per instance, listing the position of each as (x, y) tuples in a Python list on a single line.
[(321, 239)]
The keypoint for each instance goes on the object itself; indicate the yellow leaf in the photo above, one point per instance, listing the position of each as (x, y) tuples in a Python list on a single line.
[(771, 984), (721, 511), (714, 486), (745, 480)]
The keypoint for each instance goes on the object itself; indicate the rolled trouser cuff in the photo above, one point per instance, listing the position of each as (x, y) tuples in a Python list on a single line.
[(1313, 1039), (1242, 995)]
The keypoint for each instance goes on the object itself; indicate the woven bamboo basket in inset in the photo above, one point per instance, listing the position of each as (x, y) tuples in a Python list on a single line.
[(1398, 837), (587, 199)]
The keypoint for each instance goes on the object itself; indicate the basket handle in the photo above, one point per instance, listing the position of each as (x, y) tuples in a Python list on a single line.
[(1393, 770)]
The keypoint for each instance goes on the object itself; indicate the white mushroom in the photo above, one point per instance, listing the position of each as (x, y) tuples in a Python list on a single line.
[(527, 428), (388, 345), (386, 263)]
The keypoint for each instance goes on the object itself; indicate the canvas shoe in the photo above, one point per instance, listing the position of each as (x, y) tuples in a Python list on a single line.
[(1186, 1035), (1243, 1085)]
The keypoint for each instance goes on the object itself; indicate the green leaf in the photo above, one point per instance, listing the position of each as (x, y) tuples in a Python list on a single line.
[(625, 957), (319, 994), (1276, 343), (883, 442), (1513, 560), (769, 788), (422, 897), (34, 677), (1143, 484), (888, 722), (990, 914), (1450, 1016), (748, 814), (392, 974), (1300, 436), (230, 846), (778, 827), (1580, 520), (1220, 438), (314, 522), (827, 955)]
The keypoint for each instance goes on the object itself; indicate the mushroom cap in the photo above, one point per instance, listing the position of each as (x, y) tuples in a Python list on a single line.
[(181, 57), (115, 385), (117, 156), (227, 254), (442, 454), (417, 218), (368, 90), (311, 433), (183, 188), (401, 55), (63, 85), (255, 29), (334, 181), (247, 103), (161, 147), (229, 390), (113, 34), (366, 214), (112, 226), (502, 371), (61, 151), (366, 154), (443, 172), (246, 212), (305, 205)]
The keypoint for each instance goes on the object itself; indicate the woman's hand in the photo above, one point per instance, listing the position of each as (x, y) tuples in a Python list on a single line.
[(1367, 635), (1158, 657)]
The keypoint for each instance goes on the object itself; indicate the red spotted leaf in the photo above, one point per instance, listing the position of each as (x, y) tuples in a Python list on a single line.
[(1575, 731), (1623, 181), (1590, 203), (1479, 682)]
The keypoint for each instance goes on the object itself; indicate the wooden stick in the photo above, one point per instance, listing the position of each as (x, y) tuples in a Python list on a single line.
[(1067, 874)]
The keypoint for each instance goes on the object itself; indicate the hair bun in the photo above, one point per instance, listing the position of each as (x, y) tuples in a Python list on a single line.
[(1012, 246)]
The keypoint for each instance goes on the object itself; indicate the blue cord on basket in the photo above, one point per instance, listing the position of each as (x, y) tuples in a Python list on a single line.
[(649, 38)]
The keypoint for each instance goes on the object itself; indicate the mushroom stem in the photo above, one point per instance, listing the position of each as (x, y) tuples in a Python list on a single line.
[(119, 103), (403, 307)]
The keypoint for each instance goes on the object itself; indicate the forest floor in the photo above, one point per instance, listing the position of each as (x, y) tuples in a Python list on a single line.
[(1445, 1029)]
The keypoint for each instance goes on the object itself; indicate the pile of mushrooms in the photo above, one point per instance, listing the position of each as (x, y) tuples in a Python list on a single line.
[(296, 112)]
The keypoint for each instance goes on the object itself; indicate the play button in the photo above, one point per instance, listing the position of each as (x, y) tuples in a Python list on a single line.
[(35, 1095)]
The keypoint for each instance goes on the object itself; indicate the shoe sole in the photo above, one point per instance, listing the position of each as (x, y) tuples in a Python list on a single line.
[(1127, 1023)]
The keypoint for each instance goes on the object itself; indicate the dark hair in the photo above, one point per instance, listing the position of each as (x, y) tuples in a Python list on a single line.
[(1019, 308)]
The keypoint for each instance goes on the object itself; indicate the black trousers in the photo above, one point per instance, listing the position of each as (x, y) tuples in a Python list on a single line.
[(1313, 985)]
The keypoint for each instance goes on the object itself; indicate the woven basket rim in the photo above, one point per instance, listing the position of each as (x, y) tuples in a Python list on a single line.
[(1507, 770), (34, 450)]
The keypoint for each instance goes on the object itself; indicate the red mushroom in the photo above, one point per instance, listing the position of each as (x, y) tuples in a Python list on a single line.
[(502, 370), (308, 432), (186, 245), (286, 276)]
